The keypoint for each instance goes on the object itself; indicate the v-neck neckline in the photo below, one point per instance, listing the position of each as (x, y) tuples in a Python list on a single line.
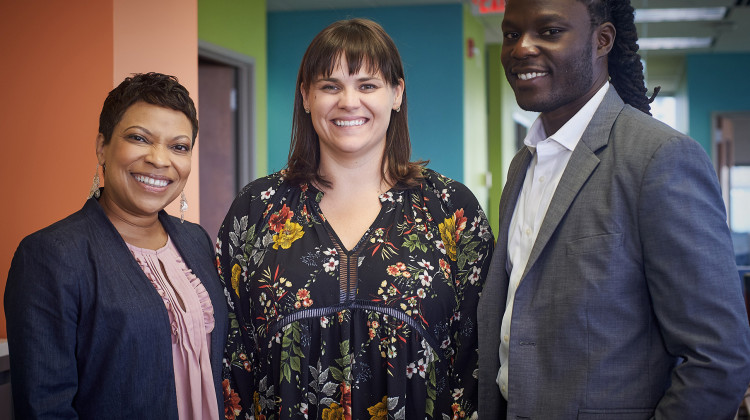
[(384, 206)]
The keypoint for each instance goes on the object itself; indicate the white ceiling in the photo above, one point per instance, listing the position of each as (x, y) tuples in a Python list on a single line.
[(664, 68), (731, 35)]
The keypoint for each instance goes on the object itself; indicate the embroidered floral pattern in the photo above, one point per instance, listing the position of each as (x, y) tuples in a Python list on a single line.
[(236, 271), (287, 234), (279, 219), (334, 412), (232, 406), (316, 329), (450, 232), (379, 411)]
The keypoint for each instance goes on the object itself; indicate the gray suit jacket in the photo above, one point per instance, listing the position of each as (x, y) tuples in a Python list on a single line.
[(630, 305)]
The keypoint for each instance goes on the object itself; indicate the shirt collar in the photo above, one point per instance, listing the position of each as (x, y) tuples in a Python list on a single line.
[(571, 132)]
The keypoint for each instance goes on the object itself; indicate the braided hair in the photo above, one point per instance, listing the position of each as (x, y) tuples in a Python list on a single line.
[(625, 67)]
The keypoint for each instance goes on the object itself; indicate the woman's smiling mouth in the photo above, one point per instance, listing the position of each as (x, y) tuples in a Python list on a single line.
[(153, 182), (349, 123)]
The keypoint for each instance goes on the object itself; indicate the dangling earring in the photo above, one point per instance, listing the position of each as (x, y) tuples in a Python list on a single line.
[(95, 186), (307, 111), (183, 207)]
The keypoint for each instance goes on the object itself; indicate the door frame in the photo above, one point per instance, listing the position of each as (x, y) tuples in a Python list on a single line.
[(245, 100), (723, 144)]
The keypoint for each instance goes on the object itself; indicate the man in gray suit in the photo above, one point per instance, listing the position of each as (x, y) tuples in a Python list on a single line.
[(613, 291)]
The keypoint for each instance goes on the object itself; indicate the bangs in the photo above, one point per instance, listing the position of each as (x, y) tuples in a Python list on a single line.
[(362, 50)]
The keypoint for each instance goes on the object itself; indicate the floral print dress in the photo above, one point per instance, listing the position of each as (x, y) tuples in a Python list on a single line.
[(386, 330)]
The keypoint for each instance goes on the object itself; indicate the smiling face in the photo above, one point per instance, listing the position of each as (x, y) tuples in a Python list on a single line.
[(554, 60), (351, 112), (147, 160)]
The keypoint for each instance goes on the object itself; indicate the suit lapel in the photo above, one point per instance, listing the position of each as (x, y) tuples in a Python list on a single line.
[(497, 277), (112, 247), (581, 165), (516, 176)]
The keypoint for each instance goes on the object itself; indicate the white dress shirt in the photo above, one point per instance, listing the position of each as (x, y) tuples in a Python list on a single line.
[(550, 157)]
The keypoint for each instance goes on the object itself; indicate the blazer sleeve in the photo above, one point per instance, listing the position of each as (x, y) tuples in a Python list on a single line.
[(693, 283), (42, 312)]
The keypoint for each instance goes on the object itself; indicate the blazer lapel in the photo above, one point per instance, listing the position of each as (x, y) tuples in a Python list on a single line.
[(581, 165), (111, 246), (516, 176)]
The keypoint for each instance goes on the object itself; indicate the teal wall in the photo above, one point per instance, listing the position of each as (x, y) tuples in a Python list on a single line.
[(241, 26), (715, 83), (434, 76)]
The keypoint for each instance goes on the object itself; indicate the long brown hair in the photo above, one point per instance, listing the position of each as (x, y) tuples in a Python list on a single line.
[(361, 42)]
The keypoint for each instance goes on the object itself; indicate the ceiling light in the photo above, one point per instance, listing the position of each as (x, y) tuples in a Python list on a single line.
[(673, 43), (680, 14)]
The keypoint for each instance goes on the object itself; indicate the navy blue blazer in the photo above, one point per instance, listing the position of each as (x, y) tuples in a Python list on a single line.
[(88, 334)]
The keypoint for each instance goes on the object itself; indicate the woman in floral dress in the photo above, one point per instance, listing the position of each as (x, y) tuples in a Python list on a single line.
[(352, 276)]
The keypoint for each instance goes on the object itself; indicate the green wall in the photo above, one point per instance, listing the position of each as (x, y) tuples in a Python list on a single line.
[(241, 26), (495, 83), (504, 115), (475, 109)]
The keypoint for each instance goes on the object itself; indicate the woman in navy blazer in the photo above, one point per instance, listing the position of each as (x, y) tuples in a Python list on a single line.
[(117, 310)]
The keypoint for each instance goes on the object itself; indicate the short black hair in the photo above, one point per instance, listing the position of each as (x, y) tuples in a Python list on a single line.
[(153, 88)]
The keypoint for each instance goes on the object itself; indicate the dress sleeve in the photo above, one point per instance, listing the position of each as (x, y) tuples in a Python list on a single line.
[(42, 309), (473, 251), (236, 235), (693, 283)]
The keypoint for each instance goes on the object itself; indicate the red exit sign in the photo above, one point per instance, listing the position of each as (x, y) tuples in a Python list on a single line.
[(490, 6)]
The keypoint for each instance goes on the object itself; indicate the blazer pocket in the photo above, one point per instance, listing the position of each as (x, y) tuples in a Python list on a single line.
[(615, 414), (598, 243)]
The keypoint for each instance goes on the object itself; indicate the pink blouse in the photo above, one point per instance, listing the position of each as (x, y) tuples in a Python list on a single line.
[(191, 316)]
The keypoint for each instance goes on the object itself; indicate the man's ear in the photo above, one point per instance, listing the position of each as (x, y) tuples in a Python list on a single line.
[(605, 38)]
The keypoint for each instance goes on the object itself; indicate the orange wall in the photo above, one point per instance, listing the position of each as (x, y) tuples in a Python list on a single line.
[(161, 36), (59, 60), (56, 72)]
